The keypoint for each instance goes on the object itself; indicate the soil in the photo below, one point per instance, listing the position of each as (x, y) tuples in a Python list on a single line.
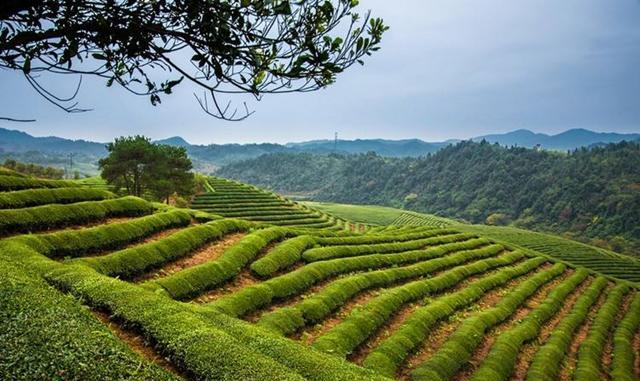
[(244, 279), (310, 335), (636, 350), (441, 331), (529, 350), (485, 347), (608, 347), (207, 253), (566, 372)]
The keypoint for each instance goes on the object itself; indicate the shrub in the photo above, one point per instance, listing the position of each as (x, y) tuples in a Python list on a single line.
[(365, 321), (74, 243), (624, 356), (46, 335), (589, 363), (33, 197), (137, 260), (393, 351), (500, 362), (282, 256), (54, 215), (330, 252), (546, 363), (459, 347), (256, 296), (317, 307), (10, 183), (198, 279)]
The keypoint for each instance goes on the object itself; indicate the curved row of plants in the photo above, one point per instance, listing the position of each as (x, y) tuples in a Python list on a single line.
[(392, 352), (315, 308), (50, 216), (295, 282), (34, 197), (130, 262), (461, 344), (363, 322), (196, 280)]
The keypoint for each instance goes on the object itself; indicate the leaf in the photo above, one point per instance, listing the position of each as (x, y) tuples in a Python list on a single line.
[(26, 66)]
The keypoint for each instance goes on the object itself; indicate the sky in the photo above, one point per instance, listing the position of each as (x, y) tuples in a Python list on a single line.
[(448, 69)]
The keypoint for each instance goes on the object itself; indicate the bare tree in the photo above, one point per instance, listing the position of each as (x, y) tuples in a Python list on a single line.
[(223, 46)]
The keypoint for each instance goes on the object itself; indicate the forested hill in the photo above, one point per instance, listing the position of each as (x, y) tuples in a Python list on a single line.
[(590, 194)]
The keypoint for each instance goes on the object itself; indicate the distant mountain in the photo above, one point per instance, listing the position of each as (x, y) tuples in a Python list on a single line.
[(18, 141), (393, 148), (209, 157), (567, 140), (175, 141)]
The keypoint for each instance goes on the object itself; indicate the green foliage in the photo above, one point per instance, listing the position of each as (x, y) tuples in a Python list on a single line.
[(317, 307), (365, 321), (589, 364), (547, 362), (46, 335), (624, 357), (31, 169), (394, 350), (590, 193), (461, 344), (231, 199), (10, 183), (282, 256), (139, 166), (137, 260), (435, 237), (75, 243), (33, 197), (249, 46), (600, 260), (501, 361), (198, 279), (292, 283), (51, 216)]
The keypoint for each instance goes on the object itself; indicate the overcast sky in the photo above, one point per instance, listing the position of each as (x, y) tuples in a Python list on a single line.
[(447, 69)]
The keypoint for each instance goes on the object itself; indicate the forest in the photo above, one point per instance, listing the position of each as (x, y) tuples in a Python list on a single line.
[(589, 194)]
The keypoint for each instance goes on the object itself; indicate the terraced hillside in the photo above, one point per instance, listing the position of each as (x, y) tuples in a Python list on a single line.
[(601, 260), (380, 215), (112, 288), (234, 200)]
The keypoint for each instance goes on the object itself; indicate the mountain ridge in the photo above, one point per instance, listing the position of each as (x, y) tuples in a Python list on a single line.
[(210, 156)]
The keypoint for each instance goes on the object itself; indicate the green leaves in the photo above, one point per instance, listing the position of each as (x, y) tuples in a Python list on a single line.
[(26, 66)]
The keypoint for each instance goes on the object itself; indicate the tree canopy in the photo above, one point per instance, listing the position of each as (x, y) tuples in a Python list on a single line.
[(151, 46), (141, 167), (591, 194)]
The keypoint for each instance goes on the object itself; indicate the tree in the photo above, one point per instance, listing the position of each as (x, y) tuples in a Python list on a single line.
[(139, 166), (149, 47), (171, 173)]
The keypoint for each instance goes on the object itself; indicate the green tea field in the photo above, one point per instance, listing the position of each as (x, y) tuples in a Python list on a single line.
[(248, 285)]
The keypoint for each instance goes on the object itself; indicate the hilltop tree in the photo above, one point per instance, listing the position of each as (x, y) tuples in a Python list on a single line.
[(139, 166), (148, 47)]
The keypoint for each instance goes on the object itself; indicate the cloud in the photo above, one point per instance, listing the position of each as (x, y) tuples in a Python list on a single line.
[(448, 68)]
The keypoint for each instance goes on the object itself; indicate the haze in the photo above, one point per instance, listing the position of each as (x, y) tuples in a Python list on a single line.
[(447, 69)]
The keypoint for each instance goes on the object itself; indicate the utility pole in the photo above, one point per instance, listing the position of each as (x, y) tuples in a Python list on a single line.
[(335, 142), (70, 174)]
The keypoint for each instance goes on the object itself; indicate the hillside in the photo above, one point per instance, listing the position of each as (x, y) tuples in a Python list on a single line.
[(54, 151), (588, 194), (568, 140), (298, 301)]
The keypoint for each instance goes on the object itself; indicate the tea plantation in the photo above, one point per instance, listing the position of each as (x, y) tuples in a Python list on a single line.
[(248, 285)]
